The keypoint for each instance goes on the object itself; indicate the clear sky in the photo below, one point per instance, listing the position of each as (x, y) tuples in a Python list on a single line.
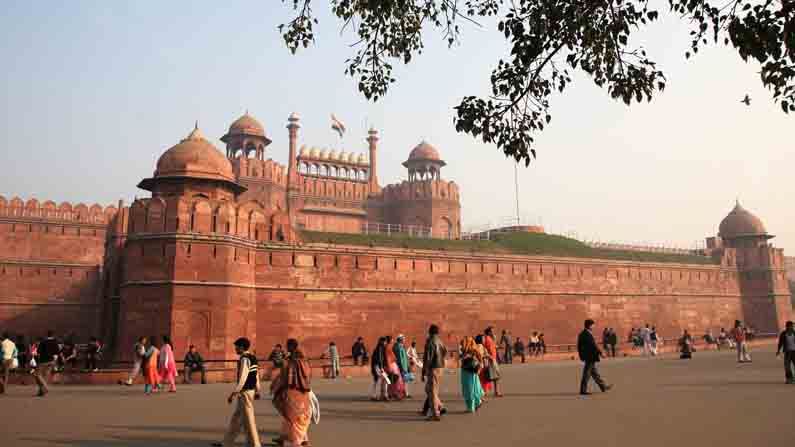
[(94, 91)]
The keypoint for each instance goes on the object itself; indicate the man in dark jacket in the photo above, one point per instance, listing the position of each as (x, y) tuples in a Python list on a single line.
[(786, 343), (432, 371), (48, 352), (194, 362), (359, 352), (589, 353)]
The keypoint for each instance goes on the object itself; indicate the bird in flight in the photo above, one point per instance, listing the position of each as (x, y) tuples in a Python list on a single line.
[(746, 100)]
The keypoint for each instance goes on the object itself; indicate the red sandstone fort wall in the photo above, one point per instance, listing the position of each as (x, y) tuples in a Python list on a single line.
[(318, 296), (51, 259), (229, 287)]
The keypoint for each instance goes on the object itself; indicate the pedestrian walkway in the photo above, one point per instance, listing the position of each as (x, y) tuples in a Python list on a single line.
[(657, 402)]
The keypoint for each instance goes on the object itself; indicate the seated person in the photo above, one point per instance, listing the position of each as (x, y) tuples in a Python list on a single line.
[(194, 362)]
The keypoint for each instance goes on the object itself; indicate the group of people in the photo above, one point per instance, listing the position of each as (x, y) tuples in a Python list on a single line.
[(536, 347), (646, 339), (392, 365), (292, 398), (43, 357), (67, 357), (156, 361)]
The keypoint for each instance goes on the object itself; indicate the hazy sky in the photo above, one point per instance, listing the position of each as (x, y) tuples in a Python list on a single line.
[(94, 91)]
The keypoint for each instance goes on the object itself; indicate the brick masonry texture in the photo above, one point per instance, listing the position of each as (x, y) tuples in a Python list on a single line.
[(207, 260)]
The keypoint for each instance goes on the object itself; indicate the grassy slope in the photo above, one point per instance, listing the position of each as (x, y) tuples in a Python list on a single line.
[(508, 243)]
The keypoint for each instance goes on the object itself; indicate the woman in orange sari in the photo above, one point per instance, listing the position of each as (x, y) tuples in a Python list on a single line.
[(151, 375), (291, 397)]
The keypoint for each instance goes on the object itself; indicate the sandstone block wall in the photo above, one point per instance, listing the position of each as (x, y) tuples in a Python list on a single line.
[(51, 259)]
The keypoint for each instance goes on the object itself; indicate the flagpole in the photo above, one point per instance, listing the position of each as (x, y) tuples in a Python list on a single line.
[(516, 183)]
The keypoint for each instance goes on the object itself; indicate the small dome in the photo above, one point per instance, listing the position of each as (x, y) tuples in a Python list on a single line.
[(246, 125), (343, 156), (741, 222), (332, 155), (313, 153), (362, 160), (323, 155), (424, 151), (351, 158), (194, 157), (302, 152)]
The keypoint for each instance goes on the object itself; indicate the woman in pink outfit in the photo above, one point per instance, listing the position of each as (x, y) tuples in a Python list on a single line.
[(167, 366)]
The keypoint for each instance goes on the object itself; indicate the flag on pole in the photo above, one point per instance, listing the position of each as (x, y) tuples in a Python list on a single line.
[(337, 125)]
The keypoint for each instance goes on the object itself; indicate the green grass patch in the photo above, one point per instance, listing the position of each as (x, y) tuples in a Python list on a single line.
[(505, 243)]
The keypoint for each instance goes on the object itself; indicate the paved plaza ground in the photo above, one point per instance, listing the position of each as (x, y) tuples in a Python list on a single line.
[(707, 401)]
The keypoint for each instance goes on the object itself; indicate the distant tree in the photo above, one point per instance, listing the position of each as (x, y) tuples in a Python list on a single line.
[(549, 40)]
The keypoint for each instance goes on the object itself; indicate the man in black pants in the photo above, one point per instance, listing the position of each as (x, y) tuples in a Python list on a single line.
[(589, 353), (786, 343)]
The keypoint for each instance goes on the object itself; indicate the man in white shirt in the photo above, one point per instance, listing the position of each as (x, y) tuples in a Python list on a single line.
[(8, 352), (246, 391)]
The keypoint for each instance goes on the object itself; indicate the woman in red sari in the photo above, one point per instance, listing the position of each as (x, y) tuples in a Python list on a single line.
[(484, 382), (291, 397), (491, 349)]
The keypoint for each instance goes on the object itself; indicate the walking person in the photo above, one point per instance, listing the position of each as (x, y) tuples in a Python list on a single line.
[(485, 383), (334, 356), (645, 338), (378, 371), (518, 348), (786, 344), (654, 342), (246, 390), (8, 358), (193, 362), (291, 398), (606, 341), (402, 357), (167, 365), (589, 354), (471, 364), (612, 342), (739, 334), (414, 357), (151, 375), (686, 346), (396, 388), (92, 354), (432, 371), (48, 350), (139, 349), (507, 347), (492, 372)]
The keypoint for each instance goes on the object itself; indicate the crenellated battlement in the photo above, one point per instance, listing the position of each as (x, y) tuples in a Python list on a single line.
[(267, 170), (249, 220), (422, 190), (333, 188), (49, 211)]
